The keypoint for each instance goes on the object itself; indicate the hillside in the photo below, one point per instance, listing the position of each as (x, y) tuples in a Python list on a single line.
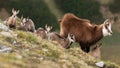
[(19, 49)]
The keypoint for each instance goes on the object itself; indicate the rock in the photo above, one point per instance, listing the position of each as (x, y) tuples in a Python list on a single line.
[(4, 27), (8, 34), (5, 49), (100, 64)]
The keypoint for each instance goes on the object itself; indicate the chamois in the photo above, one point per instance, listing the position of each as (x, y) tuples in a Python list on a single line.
[(11, 21), (27, 25), (95, 51), (86, 34), (64, 42), (41, 32)]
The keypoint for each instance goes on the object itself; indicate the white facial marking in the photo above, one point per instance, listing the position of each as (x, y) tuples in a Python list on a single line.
[(71, 38), (107, 29)]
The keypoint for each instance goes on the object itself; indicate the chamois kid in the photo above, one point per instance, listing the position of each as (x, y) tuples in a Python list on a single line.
[(11, 21), (41, 32), (95, 51), (27, 25), (64, 42)]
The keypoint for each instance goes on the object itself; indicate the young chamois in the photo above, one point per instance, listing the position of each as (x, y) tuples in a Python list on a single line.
[(11, 21), (86, 34), (27, 25), (64, 42), (41, 32), (95, 51)]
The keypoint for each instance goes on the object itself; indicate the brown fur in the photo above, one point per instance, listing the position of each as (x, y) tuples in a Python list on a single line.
[(41, 33), (85, 33), (64, 42), (27, 25)]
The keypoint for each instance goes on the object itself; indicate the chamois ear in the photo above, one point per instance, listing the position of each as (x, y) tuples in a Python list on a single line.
[(106, 21), (48, 28), (24, 20), (17, 11), (51, 27), (21, 17), (13, 10)]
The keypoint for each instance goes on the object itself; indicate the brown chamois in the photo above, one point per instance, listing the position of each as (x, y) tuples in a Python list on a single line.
[(64, 42), (86, 34), (41, 32), (95, 51), (11, 21), (27, 25)]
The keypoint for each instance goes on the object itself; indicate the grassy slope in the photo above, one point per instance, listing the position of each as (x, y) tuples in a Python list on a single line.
[(33, 52)]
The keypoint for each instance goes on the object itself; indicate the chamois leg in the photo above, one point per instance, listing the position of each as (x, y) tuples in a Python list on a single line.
[(85, 49)]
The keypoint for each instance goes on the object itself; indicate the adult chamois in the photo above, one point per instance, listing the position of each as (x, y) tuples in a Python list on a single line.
[(86, 34)]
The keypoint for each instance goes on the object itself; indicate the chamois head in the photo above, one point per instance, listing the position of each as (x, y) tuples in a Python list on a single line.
[(40, 30), (71, 37), (15, 12), (48, 28), (97, 47), (95, 51), (107, 27), (25, 20)]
